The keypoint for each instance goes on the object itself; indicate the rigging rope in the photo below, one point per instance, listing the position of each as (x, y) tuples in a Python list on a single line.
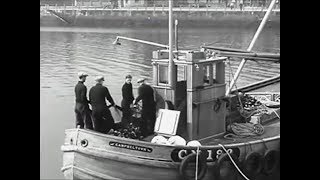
[(197, 161), (234, 162), (229, 62)]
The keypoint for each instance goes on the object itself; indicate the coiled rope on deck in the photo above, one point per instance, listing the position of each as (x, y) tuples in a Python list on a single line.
[(233, 162), (242, 130)]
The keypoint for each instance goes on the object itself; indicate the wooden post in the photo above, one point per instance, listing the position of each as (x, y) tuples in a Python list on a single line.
[(155, 73), (190, 109), (220, 72), (211, 73)]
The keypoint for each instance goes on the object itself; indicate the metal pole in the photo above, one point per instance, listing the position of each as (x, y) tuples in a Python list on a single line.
[(142, 41), (176, 33), (254, 39), (171, 68)]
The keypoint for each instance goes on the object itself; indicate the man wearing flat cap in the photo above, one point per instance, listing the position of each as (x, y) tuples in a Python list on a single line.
[(145, 93), (83, 117), (101, 115)]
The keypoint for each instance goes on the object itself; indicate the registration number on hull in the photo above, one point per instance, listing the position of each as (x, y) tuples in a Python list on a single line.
[(212, 154)]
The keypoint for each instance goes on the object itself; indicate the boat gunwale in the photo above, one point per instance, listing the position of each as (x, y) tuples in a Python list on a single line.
[(70, 148), (124, 157), (204, 147)]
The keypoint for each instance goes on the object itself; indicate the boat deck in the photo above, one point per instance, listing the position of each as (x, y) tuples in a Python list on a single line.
[(271, 130)]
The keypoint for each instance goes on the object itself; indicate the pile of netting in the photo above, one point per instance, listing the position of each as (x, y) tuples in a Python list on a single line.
[(248, 102), (249, 106), (132, 131)]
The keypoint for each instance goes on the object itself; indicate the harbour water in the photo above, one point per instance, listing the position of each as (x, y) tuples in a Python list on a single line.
[(66, 51)]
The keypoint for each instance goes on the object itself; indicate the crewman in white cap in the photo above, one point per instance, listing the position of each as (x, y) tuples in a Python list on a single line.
[(83, 117), (145, 93), (102, 118)]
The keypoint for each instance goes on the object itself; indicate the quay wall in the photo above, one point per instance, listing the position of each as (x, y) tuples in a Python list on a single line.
[(133, 18)]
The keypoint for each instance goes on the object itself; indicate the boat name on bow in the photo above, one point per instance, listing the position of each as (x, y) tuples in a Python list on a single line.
[(130, 147)]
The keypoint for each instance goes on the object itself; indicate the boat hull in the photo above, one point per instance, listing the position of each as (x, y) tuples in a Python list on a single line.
[(110, 157)]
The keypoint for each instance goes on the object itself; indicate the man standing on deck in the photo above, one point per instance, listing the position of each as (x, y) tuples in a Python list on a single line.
[(241, 4), (127, 99), (102, 118), (232, 4), (145, 93), (83, 117)]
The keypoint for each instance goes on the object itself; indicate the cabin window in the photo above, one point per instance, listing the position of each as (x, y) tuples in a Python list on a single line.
[(182, 73), (163, 74), (214, 76), (209, 72)]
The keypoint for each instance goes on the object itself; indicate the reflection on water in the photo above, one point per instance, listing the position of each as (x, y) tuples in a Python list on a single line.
[(66, 51)]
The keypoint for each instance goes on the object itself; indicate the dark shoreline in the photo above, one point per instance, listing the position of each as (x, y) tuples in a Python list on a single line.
[(117, 21)]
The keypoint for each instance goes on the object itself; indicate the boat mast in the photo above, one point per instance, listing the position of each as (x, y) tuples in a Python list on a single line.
[(254, 39), (176, 35), (171, 67)]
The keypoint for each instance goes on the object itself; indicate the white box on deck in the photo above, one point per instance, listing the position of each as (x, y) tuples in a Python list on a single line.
[(167, 122)]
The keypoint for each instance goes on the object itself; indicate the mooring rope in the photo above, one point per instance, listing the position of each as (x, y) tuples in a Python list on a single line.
[(276, 113), (197, 161), (233, 162)]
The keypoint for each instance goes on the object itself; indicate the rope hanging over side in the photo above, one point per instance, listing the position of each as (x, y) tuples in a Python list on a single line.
[(234, 162), (197, 162)]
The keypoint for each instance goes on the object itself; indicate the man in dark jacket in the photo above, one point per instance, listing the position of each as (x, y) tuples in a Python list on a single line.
[(127, 99), (83, 117), (145, 93), (102, 118)]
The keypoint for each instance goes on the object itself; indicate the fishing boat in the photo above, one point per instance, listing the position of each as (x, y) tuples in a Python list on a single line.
[(204, 110)]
